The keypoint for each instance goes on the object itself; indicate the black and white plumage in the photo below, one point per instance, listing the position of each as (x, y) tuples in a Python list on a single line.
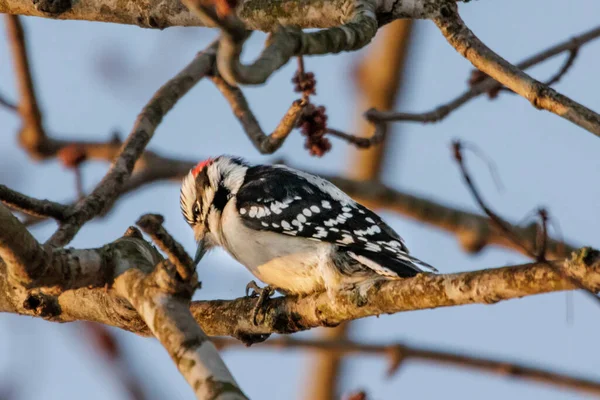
[(294, 231)]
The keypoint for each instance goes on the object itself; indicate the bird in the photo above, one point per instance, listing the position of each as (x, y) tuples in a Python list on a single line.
[(294, 231)]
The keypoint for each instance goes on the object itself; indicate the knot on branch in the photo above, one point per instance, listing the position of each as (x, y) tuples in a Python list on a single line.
[(42, 305), (52, 7)]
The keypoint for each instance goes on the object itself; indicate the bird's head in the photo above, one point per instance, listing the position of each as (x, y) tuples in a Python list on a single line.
[(205, 192)]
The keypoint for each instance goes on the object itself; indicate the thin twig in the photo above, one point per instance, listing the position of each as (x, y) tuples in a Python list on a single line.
[(31, 206), (151, 224), (8, 104), (506, 228), (359, 141), (477, 76), (542, 234), (485, 86), (399, 353), (483, 58)]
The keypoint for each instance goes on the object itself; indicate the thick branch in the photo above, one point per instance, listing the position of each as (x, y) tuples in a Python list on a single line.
[(483, 58), (398, 353), (112, 184), (163, 301), (287, 315), (359, 27), (256, 14), (161, 297), (87, 271)]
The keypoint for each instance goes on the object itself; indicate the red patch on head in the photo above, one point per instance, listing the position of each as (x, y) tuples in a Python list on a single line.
[(200, 166)]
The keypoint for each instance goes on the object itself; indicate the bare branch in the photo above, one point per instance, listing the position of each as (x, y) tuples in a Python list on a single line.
[(360, 141), (285, 42), (541, 96), (32, 131), (162, 300), (151, 224), (485, 86), (86, 271), (288, 315), (105, 193), (398, 353), (526, 246), (257, 15), (265, 144), (33, 265), (7, 104), (31, 206)]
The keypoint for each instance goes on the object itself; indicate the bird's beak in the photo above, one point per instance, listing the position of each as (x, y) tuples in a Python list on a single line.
[(200, 251)]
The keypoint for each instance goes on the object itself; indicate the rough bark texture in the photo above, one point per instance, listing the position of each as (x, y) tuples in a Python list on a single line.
[(163, 302), (283, 315), (262, 15)]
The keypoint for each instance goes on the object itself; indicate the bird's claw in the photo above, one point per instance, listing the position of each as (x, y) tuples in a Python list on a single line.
[(263, 295)]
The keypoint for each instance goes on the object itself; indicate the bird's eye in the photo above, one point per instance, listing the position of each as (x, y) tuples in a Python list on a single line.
[(196, 211)]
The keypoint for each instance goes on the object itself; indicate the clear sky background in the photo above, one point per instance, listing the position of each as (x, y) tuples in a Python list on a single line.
[(93, 78)]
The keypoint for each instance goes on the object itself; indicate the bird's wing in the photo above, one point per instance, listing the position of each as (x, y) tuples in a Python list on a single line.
[(298, 204)]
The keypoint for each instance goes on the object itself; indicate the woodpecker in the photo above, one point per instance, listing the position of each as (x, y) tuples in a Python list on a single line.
[(294, 231)]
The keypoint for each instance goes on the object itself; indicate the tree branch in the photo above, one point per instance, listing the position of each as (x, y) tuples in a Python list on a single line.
[(359, 27), (486, 85), (32, 131), (86, 272), (162, 299), (113, 182), (483, 58), (398, 353), (31, 206), (265, 144), (151, 224)]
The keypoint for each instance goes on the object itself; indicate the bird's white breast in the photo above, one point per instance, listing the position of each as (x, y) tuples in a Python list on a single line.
[(291, 263)]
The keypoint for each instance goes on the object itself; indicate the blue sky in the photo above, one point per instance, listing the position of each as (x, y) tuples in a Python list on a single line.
[(93, 78)]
